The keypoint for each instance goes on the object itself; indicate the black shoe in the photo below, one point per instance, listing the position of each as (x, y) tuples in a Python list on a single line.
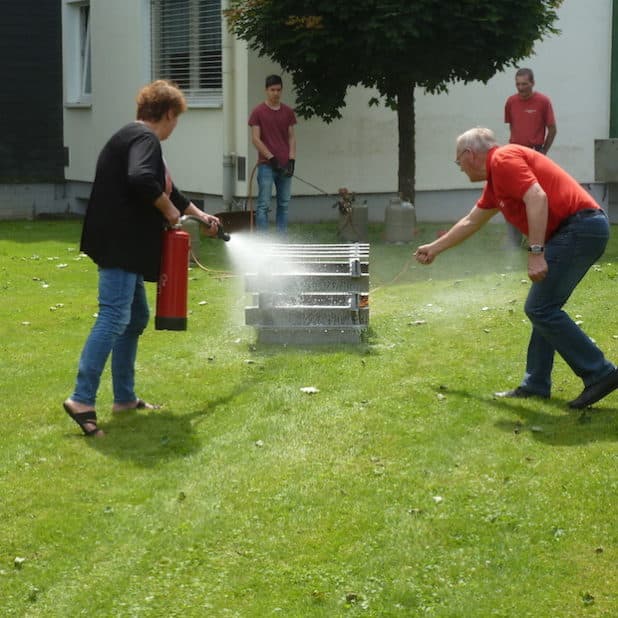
[(591, 394), (518, 393)]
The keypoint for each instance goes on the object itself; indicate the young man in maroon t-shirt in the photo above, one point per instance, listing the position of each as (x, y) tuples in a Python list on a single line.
[(272, 133)]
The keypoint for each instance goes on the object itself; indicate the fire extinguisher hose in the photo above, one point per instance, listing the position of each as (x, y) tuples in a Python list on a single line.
[(221, 233)]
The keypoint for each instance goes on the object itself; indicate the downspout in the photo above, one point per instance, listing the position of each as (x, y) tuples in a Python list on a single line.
[(613, 100), (612, 185), (229, 109)]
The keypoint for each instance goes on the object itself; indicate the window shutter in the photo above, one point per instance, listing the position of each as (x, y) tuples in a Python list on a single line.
[(186, 47)]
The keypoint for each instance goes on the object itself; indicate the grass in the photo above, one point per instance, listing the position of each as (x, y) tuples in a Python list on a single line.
[(400, 489)]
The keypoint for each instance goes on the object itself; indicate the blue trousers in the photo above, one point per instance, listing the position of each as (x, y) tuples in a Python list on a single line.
[(266, 178), (570, 253), (122, 318)]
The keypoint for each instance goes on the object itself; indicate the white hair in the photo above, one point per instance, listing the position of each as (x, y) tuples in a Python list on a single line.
[(478, 139)]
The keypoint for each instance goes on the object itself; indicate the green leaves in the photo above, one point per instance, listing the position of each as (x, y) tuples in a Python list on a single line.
[(331, 46), (389, 45)]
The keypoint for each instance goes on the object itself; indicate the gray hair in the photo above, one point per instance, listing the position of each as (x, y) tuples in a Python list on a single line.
[(523, 72), (478, 139)]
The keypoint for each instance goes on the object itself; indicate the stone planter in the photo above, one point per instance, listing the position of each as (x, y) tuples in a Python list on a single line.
[(399, 222)]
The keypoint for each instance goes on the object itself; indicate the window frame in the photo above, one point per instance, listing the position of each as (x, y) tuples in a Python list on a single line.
[(78, 52), (198, 51)]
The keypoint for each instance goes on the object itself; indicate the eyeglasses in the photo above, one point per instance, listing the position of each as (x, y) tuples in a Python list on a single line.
[(458, 159)]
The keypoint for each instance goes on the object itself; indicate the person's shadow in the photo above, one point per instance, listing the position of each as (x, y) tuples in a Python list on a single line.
[(150, 438), (550, 421)]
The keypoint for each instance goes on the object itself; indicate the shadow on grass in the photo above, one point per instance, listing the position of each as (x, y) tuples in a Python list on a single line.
[(551, 422), (150, 439)]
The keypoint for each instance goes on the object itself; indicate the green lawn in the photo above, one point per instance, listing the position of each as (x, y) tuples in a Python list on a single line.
[(401, 488)]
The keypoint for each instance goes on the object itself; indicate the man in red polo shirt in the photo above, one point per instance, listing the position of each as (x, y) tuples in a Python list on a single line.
[(567, 233), (530, 114)]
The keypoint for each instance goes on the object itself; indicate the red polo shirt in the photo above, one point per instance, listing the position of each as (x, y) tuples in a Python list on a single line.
[(529, 118), (512, 170)]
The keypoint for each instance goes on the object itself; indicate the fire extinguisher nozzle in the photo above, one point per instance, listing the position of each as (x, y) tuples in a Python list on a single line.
[(222, 234)]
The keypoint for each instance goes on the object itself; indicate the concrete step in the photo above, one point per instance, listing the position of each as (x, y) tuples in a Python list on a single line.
[(266, 300), (310, 335), (306, 282), (309, 294), (317, 317), (303, 265)]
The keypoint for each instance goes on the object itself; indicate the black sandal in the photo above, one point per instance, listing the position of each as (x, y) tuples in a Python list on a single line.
[(89, 417)]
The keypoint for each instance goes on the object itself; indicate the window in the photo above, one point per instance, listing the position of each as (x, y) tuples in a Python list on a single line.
[(77, 57), (186, 47)]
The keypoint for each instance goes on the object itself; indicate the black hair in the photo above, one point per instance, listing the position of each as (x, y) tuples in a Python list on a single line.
[(273, 80)]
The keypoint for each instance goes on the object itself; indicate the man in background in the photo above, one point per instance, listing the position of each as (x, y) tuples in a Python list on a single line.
[(530, 115), (531, 118), (272, 133)]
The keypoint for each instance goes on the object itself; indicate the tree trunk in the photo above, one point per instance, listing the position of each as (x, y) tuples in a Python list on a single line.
[(407, 133)]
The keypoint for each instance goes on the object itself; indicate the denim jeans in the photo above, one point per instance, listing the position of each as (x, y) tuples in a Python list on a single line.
[(266, 177), (123, 316), (570, 252)]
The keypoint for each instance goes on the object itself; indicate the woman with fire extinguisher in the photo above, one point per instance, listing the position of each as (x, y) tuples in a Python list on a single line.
[(133, 199)]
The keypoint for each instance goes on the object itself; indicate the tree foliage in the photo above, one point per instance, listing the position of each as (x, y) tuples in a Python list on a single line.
[(393, 46)]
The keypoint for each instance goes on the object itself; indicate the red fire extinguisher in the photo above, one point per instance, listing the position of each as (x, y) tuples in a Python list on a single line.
[(173, 281)]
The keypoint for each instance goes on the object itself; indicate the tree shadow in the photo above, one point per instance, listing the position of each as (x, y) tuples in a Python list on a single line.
[(550, 421)]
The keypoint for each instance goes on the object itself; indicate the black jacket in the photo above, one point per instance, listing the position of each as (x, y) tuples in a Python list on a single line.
[(122, 227)]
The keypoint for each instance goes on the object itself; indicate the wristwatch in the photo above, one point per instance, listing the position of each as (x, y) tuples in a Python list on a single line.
[(536, 249)]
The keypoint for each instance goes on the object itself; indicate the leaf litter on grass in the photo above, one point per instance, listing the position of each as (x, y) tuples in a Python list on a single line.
[(355, 483)]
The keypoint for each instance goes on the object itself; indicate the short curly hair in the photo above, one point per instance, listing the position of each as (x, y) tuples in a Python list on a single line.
[(157, 98)]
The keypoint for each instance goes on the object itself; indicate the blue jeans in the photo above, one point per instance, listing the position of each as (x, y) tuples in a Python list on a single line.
[(570, 252), (123, 316), (266, 177)]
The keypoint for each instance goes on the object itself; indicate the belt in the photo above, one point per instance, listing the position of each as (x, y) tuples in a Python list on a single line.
[(585, 213)]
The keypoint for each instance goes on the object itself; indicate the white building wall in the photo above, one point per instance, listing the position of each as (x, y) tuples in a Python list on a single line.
[(118, 38), (120, 66), (360, 150), (572, 68)]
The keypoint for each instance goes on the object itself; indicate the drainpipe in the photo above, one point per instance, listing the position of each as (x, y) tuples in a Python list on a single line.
[(613, 101), (612, 185), (229, 108)]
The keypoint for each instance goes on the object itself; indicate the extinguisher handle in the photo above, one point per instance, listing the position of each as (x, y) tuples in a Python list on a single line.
[(221, 233)]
